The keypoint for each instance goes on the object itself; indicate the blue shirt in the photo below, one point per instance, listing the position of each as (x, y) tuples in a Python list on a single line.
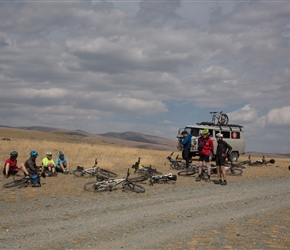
[(186, 142), (58, 160)]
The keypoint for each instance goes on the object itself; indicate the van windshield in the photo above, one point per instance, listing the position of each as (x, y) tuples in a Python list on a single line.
[(194, 131)]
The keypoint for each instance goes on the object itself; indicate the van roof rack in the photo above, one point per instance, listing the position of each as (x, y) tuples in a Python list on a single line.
[(220, 126)]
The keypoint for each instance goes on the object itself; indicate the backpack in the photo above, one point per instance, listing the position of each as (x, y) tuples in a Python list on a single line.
[(35, 179)]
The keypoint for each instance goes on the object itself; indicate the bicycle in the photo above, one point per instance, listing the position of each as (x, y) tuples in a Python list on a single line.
[(144, 170), (260, 161), (94, 171), (110, 184), (220, 119), (193, 168), (24, 181), (174, 163), (162, 178)]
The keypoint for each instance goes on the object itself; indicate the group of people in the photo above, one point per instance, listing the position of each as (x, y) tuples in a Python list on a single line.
[(205, 148), (48, 167)]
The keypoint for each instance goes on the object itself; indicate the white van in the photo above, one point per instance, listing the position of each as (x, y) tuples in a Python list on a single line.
[(233, 135)]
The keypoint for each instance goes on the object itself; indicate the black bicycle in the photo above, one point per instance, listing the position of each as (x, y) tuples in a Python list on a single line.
[(175, 163), (24, 181), (138, 167), (110, 185)]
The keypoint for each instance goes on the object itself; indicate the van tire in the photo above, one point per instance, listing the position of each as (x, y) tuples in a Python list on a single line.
[(234, 156)]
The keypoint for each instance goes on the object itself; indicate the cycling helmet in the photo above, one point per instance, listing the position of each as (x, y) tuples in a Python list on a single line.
[(48, 153), (33, 153), (220, 135), (13, 154), (60, 153), (205, 132)]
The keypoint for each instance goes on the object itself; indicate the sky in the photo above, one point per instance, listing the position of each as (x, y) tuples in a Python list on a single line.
[(147, 66)]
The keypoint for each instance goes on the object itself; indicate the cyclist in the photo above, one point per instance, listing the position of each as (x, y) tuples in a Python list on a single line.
[(31, 166), (34, 171), (62, 164), (10, 166), (49, 165), (186, 143), (222, 151), (205, 148)]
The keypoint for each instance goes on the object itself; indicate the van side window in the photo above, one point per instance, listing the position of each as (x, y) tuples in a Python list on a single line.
[(210, 132), (226, 134), (236, 135)]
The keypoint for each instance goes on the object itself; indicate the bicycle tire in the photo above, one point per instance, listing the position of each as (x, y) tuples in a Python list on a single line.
[(224, 119), (78, 173), (92, 186), (234, 171), (177, 166), (16, 183), (107, 173), (189, 172), (139, 178), (133, 187), (152, 170)]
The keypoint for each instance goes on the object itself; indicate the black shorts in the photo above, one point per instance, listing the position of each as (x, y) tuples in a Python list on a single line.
[(220, 161), (12, 171), (204, 158)]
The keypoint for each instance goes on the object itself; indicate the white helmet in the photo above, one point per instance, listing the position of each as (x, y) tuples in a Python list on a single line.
[(220, 135)]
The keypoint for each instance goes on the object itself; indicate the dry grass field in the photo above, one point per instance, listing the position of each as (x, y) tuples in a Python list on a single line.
[(117, 159)]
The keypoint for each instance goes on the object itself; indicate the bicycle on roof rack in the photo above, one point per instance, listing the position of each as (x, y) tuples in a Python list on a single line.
[(100, 173), (110, 185), (221, 118)]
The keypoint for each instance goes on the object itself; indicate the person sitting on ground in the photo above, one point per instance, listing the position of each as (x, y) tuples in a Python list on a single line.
[(10, 166), (30, 165), (49, 165), (222, 151), (62, 164), (34, 171)]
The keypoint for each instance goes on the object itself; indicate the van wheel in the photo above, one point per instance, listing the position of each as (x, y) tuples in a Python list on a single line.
[(234, 156)]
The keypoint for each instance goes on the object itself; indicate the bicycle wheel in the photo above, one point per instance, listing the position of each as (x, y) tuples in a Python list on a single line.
[(188, 172), (16, 183), (107, 173), (234, 171), (139, 178), (93, 186), (224, 119), (133, 187), (78, 173), (177, 166)]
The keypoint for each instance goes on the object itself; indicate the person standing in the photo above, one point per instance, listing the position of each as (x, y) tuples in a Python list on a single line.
[(205, 147), (222, 151), (186, 143)]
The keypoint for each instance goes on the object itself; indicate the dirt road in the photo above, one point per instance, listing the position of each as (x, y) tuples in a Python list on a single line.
[(185, 215)]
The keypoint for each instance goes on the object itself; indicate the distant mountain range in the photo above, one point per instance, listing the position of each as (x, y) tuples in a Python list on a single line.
[(130, 139)]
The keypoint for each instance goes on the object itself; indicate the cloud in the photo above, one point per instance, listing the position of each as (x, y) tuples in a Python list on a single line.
[(78, 61), (278, 117)]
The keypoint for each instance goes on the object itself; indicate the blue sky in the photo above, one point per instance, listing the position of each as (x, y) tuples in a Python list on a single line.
[(147, 66)]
